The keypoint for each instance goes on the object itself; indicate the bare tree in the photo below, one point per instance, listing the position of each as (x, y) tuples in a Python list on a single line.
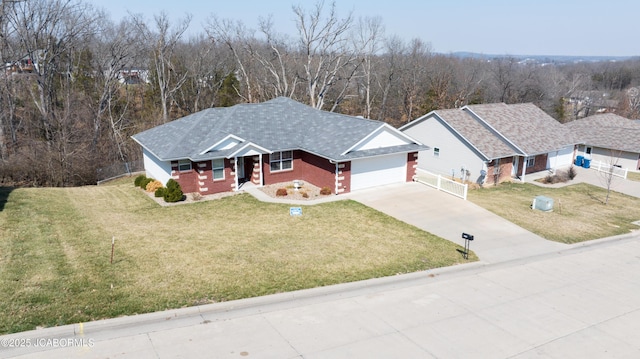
[(277, 59), (323, 41), (207, 65), (608, 175), (115, 49), (368, 37), (414, 69), (233, 35), (163, 39), (469, 82), (46, 31)]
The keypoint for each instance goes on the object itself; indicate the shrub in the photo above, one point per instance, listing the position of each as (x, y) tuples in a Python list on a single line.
[(572, 173), (173, 193), (153, 186), (325, 191), (196, 196), (172, 184), (281, 192), (305, 195), (139, 180), (145, 182), (159, 192)]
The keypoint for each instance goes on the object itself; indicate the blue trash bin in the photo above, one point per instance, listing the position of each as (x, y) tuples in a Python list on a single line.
[(586, 163), (579, 160)]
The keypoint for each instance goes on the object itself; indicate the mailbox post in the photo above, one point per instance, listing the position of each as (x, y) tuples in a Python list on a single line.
[(467, 239)]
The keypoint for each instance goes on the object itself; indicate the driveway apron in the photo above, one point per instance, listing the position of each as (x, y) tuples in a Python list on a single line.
[(447, 216)]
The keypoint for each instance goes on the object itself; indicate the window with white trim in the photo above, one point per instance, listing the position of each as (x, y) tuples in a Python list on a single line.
[(436, 152), (217, 166), (184, 165), (531, 162), (281, 161)]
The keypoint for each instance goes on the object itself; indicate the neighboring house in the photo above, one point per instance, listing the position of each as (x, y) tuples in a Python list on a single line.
[(609, 138), (585, 103), (133, 76), (219, 149), (24, 65), (491, 143)]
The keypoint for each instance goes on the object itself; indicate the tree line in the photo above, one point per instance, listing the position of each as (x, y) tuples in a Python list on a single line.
[(76, 85)]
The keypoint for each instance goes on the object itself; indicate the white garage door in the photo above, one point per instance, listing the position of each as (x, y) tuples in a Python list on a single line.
[(562, 158), (370, 172)]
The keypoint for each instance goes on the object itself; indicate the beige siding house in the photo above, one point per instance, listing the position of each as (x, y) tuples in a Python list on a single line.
[(610, 139), (491, 142)]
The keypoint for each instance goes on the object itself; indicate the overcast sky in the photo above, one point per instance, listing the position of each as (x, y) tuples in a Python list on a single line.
[(497, 27)]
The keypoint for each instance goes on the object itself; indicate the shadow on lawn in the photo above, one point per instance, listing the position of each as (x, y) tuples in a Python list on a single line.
[(4, 196)]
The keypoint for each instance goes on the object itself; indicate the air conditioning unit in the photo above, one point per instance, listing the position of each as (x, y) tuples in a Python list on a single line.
[(542, 203)]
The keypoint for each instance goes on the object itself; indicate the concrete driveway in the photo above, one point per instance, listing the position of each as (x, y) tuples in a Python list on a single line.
[(495, 239)]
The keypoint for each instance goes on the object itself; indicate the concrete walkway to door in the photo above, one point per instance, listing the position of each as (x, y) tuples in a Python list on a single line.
[(495, 238)]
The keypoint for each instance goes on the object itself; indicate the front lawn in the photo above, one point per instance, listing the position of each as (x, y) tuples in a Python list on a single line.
[(55, 249), (579, 212), (633, 176)]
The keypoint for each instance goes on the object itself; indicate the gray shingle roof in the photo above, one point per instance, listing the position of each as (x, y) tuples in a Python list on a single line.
[(276, 125), (608, 131), (526, 126), (499, 130), (477, 134)]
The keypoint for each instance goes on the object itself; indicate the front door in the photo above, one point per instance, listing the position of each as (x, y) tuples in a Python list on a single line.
[(514, 167), (248, 168)]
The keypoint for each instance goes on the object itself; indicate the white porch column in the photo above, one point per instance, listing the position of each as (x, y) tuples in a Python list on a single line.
[(524, 168), (235, 170)]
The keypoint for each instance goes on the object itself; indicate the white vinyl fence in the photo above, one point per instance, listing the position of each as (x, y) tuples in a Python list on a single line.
[(442, 183), (607, 167)]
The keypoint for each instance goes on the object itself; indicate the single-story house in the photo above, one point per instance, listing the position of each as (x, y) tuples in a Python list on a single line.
[(281, 140), (491, 143), (609, 138)]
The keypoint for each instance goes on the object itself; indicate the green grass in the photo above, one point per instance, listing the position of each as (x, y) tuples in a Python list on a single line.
[(579, 211), (633, 176), (55, 250)]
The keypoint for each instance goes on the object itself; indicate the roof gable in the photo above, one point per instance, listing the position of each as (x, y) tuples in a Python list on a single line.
[(384, 136), (226, 143), (276, 125)]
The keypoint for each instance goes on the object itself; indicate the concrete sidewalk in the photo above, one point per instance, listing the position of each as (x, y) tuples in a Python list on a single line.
[(582, 302)]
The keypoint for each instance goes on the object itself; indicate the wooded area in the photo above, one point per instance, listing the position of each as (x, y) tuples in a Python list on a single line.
[(76, 85)]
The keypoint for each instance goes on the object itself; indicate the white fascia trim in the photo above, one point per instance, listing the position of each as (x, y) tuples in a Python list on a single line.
[(523, 153), (402, 134), (151, 152), (417, 120), (219, 142), (249, 144), (376, 132), (447, 125), (361, 141)]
